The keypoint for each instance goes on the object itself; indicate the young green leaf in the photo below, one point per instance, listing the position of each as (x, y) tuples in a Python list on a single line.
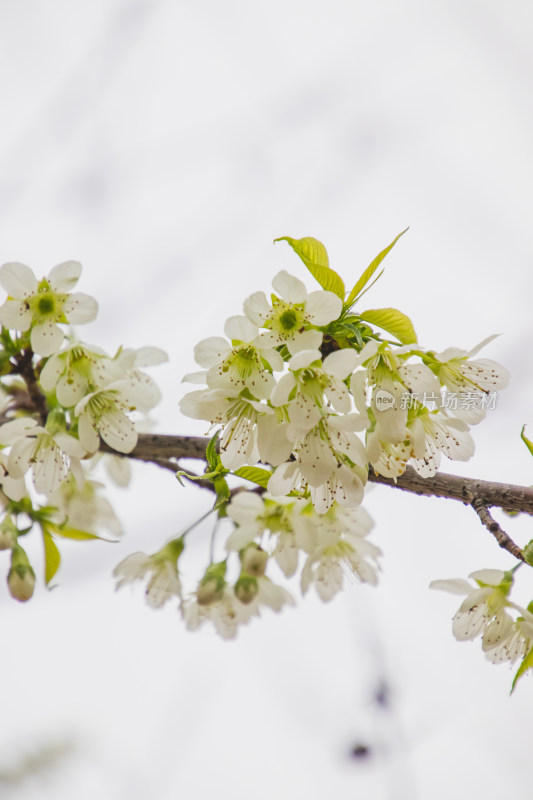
[(73, 533), (315, 257), (369, 271), (52, 558), (528, 443), (392, 321), (211, 454), (254, 474), (527, 663)]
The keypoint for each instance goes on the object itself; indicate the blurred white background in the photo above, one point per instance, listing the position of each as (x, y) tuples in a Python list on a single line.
[(165, 145)]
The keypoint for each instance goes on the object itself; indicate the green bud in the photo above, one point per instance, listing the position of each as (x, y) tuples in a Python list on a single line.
[(209, 591), (254, 561), (8, 534), (246, 588), (21, 577), (173, 550)]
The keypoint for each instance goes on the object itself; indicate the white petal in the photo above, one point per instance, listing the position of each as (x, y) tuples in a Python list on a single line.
[(118, 431), (273, 357), (453, 585), (245, 507), (419, 378), (150, 357), (46, 338), (241, 537), (17, 279), (340, 363), (15, 316), (195, 377), (283, 388), (11, 431), (80, 308), (492, 577), (306, 340), (338, 396), (49, 470), (70, 388), (322, 307), (304, 358), (87, 434), (291, 289), (70, 445), (285, 478), (240, 328), (211, 351), (272, 441), (119, 470), (19, 458), (64, 276), (50, 372), (480, 346), (256, 308)]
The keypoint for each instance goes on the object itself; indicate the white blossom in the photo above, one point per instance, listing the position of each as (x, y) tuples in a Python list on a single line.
[(163, 583), (483, 604), (41, 305), (292, 313)]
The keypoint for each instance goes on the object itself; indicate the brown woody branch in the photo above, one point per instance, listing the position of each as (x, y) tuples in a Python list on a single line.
[(481, 495)]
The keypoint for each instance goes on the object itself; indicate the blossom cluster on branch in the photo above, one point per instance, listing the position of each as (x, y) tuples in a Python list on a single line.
[(305, 396), (59, 396)]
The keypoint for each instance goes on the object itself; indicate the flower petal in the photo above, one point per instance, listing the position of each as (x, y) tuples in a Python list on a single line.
[(46, 338), (15, 316), (17, 279), (80, 308), (211, 351), (256, 308), (289, 288), (65, 276), (322, 308), (240, 328)]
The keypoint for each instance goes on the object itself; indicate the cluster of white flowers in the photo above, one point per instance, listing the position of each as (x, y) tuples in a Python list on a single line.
[(304, 386), (75, 394), (305, 423), (486, 611)]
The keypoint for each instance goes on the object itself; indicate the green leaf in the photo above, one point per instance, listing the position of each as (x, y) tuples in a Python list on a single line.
[(211, 454), (221, 488), (528, 553), (369, 271), (52, 558), (315, 257), (527, 663), (73, 533), (254, 474), (392, 321), (528, 443)]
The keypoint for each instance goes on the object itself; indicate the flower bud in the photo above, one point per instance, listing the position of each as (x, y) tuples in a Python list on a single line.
[(254, 561), (8, 534), (21, 577), (209, 591), (246, 589)]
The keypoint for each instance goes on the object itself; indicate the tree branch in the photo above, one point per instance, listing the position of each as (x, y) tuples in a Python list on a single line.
[(503, 539), (155, 447)]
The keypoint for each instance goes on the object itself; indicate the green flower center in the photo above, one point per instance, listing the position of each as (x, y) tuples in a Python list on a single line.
[(45, 304), (288, 320)]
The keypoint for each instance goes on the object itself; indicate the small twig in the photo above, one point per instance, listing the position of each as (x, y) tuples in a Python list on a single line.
[(503, 539), (22, 365)]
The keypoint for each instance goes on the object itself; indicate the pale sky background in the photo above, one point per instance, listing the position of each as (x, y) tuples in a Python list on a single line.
[(165, 145)]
